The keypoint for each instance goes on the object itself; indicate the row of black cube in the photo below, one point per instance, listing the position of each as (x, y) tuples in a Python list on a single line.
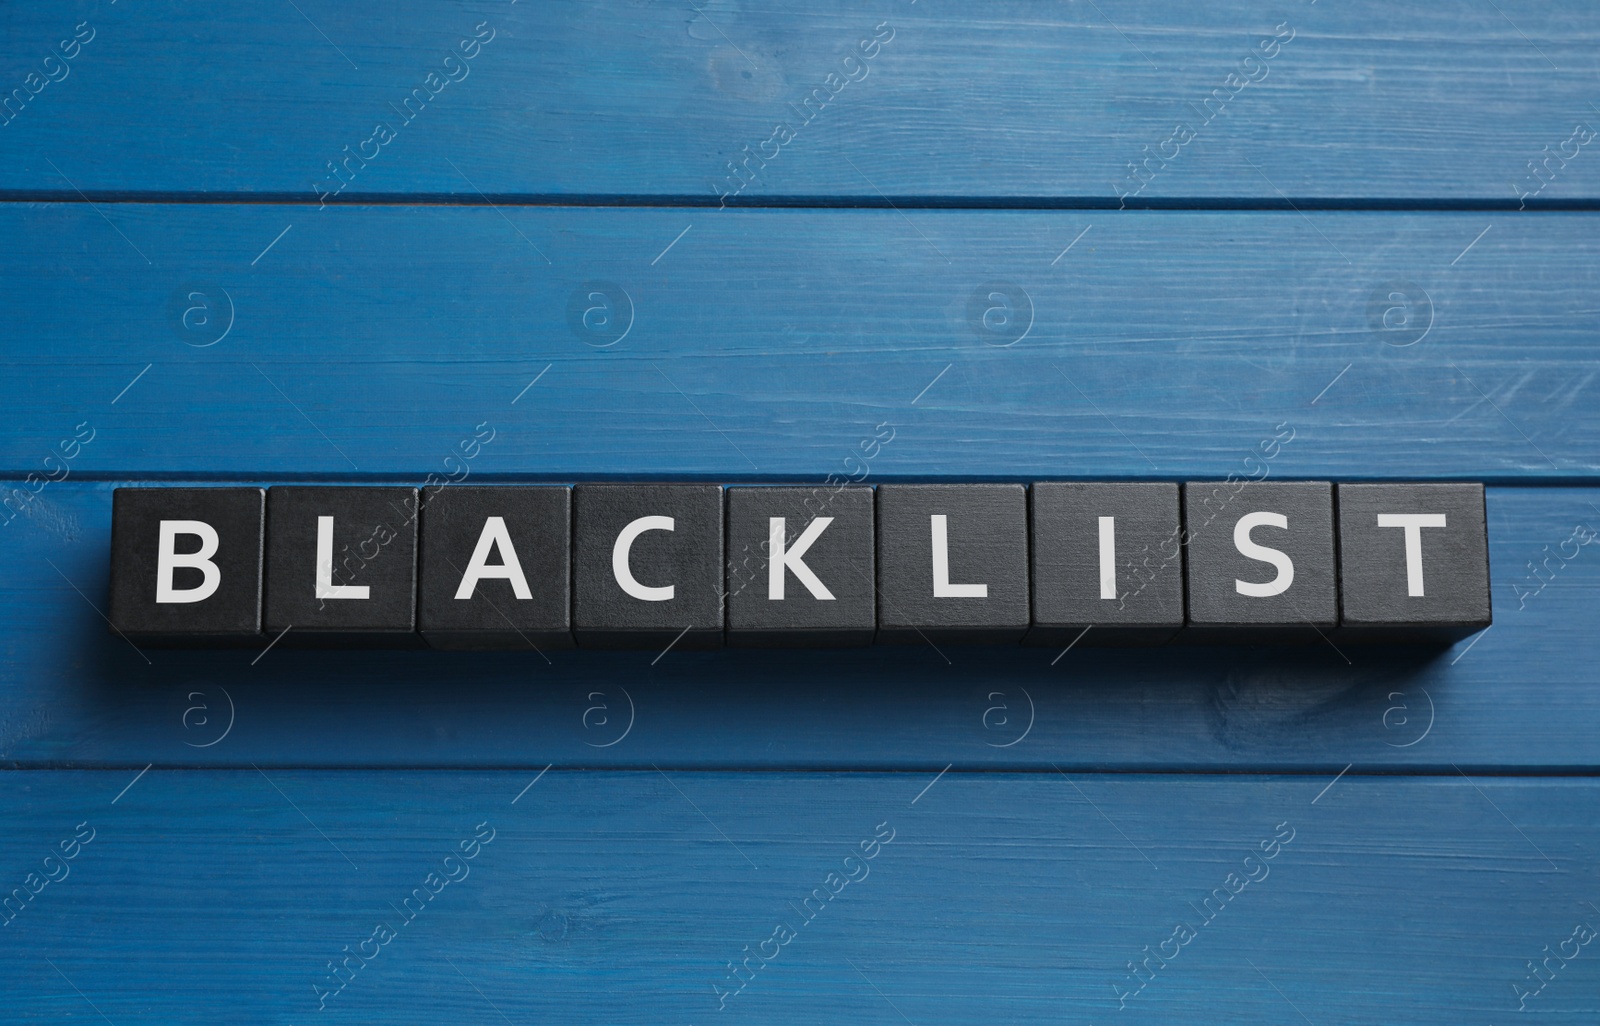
[(700, 565)]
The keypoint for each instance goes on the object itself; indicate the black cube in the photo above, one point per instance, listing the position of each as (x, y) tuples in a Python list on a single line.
[(1413, 562), (186, 565), (1107, 563), (647, 568), (342, 565), (800, 567), (495, 568), (952, 563), (1260, 561)]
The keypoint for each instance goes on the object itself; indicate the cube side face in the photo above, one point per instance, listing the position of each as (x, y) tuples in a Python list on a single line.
[(840, 556), (1413, 561), (1080, 530), (622, 528), (341, 564), (230, 612), (928, 591), (1259, 560), (509, 549)]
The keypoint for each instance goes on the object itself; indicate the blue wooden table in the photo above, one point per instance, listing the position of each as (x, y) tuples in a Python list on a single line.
[(320, 242)]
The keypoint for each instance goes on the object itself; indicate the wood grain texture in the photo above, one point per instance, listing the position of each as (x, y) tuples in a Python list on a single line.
[(788, 345), (621, 897), (256, 337), (1522, 696), (1361, 100)]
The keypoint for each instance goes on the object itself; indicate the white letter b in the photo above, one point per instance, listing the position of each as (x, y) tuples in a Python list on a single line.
[(167, 560)]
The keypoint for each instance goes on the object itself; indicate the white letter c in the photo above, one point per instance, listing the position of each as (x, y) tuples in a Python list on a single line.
[(619, 559)]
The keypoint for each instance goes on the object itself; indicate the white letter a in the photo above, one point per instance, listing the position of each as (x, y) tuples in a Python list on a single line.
[(494, 536)]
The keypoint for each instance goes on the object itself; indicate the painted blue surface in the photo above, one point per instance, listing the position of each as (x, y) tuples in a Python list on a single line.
[(175, 305), (1362, 100), (621, 897), (772, 344)]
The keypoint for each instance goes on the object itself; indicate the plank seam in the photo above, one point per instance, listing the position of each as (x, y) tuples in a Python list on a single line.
[(1450, 771), (1199, 204)]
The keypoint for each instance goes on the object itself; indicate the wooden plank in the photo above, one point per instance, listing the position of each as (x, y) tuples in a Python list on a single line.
[(785, 345), (1353, 101), (1525, 695), (622, 897)]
